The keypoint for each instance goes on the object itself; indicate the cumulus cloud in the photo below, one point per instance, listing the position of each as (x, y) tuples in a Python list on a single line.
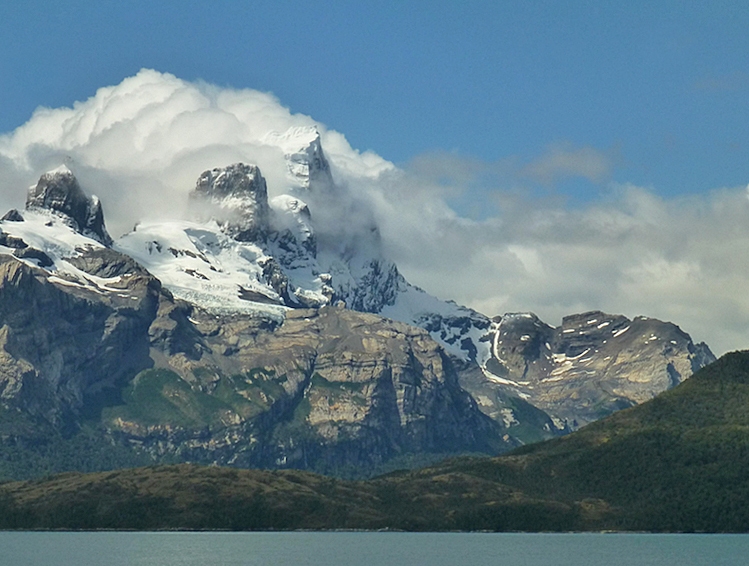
[(141, 145)]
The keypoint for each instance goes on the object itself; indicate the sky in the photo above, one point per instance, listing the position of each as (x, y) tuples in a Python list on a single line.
[(537, 156)]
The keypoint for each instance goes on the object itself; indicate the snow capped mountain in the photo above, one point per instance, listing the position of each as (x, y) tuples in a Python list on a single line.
[(307, 167), (318, 244), (237, 372), (43, 238), (58, 191), (592, 365), (231, 316), (59, 225)]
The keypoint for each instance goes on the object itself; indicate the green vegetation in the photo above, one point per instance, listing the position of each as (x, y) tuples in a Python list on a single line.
[(250, 394), (161, 397), (677, 463), (181, 496), (32, 448), (532, 420), (336, 391), (50, 453)]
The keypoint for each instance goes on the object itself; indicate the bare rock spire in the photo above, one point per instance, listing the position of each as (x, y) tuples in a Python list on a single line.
[(59, 192)]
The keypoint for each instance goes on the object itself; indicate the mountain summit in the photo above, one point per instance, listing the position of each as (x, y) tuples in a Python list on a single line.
[(58, 191), (307, 166), (237, 198)]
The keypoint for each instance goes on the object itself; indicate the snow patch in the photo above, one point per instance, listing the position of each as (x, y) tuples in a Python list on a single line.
[(618, 333), (508, 417)]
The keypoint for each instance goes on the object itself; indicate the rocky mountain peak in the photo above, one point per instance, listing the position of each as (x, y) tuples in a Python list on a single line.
[(590, 366), (293, 221), (58, 191), (306, 163), (237, 198)]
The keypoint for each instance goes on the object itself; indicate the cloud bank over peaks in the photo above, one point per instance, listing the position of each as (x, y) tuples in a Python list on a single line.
[(141, 145)]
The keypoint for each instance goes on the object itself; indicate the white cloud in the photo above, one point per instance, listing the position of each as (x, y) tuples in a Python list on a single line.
[(680, 259), (140, 146), (565, 160)]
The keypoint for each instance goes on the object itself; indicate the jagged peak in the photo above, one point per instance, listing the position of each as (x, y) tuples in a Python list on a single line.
[(307, 166), (235, 180), (293, 215), (58, 191), (61, 170), (294, 140), (12, 216), (235, 196)]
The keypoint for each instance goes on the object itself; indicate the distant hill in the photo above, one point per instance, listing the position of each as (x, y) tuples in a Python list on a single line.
[(677, 463)]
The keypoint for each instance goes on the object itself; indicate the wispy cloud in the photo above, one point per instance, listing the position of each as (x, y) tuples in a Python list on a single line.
[(564, 160)]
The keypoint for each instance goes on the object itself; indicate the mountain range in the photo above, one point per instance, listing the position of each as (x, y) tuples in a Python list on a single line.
[(275, 333), (676, 463)]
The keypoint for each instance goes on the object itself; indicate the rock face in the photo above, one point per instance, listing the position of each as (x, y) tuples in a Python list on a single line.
[(330, 389), (62, 344), (237, 197), (587, 368), (60, 192)]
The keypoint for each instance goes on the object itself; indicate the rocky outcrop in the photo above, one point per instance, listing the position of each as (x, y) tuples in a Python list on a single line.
[(12, 216), (587, 368), (237, 197), (64, 343), (58, 191)]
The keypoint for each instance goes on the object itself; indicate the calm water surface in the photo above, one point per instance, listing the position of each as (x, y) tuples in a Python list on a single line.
[(369, 549)]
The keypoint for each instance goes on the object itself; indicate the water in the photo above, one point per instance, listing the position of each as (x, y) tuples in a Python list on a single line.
[(369, 549)]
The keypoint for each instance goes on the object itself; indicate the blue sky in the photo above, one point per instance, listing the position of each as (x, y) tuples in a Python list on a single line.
[(556, 156), (660, 87)]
